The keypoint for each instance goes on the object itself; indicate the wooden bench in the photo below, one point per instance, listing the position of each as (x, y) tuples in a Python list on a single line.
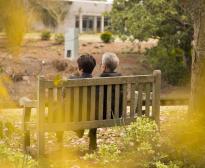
[(65, 107)]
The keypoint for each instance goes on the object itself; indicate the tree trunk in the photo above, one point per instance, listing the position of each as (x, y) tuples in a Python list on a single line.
[(197, 103)]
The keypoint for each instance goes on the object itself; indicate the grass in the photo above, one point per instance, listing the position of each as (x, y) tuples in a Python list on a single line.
[(72, 153)]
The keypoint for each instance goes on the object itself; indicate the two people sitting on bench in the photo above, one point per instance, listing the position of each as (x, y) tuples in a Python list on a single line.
[(86, 64)]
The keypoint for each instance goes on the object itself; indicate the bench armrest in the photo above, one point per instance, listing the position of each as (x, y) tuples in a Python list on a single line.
[(26, 102)]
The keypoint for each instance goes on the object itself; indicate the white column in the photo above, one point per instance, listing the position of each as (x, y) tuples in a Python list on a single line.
[(71, 44), (81, 23), (95, 24), (102, 23)]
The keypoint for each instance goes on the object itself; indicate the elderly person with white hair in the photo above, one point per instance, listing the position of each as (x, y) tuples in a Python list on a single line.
[(110, 62)]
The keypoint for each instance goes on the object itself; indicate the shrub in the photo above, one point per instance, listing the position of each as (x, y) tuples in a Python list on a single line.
[(171, 62), (141, 143), (10, 158), (60, 65), (59, 38), (137, 149), (109, 153), (143, 130), (46, 35), (106, 37), (185, 142), (16, 77)]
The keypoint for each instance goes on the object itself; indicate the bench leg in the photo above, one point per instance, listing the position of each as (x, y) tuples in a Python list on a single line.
[(26, 138), (41, 144), (59, 136), (93, 139)]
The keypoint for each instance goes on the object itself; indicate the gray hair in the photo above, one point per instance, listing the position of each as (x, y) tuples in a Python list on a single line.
[(110, 60)]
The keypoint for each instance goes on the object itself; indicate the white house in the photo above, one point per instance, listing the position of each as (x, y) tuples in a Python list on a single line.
[(87, 15)]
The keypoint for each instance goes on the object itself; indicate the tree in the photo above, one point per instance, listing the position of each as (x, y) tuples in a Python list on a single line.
[(13, 20), (197, 105), (168, 20), (51, 13), (163, 19), (15, 14)]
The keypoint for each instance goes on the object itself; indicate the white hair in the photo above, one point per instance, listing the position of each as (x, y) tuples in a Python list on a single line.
[(110, 60)]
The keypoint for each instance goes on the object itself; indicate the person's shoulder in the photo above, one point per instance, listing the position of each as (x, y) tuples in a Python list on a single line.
[(118, 74), (86, 75), (73, 77), (111, 74), (103, 75), (80, 76)]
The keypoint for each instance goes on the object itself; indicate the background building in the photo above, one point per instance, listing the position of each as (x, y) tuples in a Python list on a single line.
[(88, 15)]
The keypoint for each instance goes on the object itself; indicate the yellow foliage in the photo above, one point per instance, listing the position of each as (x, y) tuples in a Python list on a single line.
[(3, 92), (5, 100), (58, 80), (186, 139), (15, 22)]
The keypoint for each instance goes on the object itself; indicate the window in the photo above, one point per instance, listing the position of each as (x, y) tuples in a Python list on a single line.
[(88, 23), (77, 22), (106, 22), (99, 24)]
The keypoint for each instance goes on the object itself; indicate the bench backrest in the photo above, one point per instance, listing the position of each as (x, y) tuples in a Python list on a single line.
[(82, 103)]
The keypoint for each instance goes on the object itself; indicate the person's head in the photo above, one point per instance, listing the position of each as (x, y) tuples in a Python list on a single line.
[(110, 61), (86, 63)]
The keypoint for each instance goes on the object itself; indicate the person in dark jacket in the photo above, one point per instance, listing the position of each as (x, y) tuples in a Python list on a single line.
[(86, 64), (110, 62)]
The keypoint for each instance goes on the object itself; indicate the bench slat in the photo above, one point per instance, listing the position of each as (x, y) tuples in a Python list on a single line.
[(93, 99), (139, 100), (101, 81), (55, 94), (67, 104), (50, 105), (124, 104), (76, 104), (41, 118), (109, 99), (84, 104), (100, 102), (55, 105), (117, 99), (87, 124), (59, 105), (132, 100), (147, 101)]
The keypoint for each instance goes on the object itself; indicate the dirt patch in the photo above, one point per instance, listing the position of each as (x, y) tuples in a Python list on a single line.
[(44, 58)]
